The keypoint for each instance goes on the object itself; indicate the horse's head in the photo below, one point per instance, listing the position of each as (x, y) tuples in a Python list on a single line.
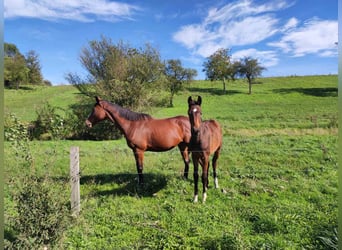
[(195, 113), (98, 114)]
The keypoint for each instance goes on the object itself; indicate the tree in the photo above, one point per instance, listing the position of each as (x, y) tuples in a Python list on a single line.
[(250, 69), (218, 67), (119, 72), (176, 76), (15, 69), (33, 64), (10, 50)]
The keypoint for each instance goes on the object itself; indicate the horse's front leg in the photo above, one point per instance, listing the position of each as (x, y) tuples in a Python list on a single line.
[(205, 168), (195, 162), (139, 160)]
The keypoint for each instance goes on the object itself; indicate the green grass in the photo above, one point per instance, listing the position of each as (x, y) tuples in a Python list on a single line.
[(277, 176), (25, 101)]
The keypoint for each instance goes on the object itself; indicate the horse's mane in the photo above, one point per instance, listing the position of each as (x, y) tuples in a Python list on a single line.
[(128, 114)]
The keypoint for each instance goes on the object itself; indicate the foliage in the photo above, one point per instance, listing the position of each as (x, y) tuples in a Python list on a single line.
[(120, 73), (15, 132), (49, 125), (14, 129), (33, 65), (47, 83), (19, 70), (76, 125), (15, 70), (41, 215), (250, 69), (218, 66), (176, 76), (10, 50)]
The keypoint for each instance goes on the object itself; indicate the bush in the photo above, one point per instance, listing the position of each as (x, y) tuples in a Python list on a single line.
[(14, 129), (41, 214), (49, 125), (78, 130), (16, 132), (40, 207)]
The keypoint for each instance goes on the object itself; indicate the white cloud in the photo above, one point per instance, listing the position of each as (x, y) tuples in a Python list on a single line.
[(191, 35), (246, 23), (80, 10), (266, 58), (292, 23), (235, 24), (250, 30), (242, 9), (314, 37)]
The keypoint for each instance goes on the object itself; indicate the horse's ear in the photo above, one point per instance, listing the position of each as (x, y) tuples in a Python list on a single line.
[(189, 100), (98, 99), (199, 100)]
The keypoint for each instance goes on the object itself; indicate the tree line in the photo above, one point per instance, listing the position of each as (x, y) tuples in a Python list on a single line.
[(219, 66), (135, 78), (132, 72), (21, 69)]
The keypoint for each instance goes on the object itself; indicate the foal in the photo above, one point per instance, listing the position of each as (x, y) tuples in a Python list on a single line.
[(206, 138)]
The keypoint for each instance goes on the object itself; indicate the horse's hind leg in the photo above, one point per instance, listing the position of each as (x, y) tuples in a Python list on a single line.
[(139, 159), (215, 157), (185, 155)]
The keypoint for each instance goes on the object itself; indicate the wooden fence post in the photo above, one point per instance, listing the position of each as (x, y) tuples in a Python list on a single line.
[(75, 181)]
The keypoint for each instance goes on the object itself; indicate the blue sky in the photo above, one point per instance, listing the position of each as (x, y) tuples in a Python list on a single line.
[(288, 37)]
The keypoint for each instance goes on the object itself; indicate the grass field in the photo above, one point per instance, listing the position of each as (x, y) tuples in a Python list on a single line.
[(277, 173)]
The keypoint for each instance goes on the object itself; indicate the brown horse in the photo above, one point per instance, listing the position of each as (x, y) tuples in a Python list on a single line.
[(206, 138), (144, 133)]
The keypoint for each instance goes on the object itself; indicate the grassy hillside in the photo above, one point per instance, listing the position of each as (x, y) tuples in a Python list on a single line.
[(25, 101), (277, 173)]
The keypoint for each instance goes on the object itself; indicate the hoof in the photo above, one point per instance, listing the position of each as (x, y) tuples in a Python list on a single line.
[(195, 198), (204, 197), (216, 183)]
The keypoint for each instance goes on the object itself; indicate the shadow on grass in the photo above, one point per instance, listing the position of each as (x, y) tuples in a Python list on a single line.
[(127, 182), (214, 91), (319, 92)]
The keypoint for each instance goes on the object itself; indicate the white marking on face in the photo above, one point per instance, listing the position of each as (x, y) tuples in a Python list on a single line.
[(195, 110)]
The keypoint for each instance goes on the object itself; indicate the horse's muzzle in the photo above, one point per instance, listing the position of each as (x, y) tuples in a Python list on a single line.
[(88, 123)]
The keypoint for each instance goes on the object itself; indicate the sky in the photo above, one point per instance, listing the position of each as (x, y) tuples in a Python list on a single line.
[(288, 37)]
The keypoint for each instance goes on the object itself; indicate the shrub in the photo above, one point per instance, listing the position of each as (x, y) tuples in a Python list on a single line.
[(40, 208), (16, 132), (49, 124), (41, 214), (78, 130), (14, 129)]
